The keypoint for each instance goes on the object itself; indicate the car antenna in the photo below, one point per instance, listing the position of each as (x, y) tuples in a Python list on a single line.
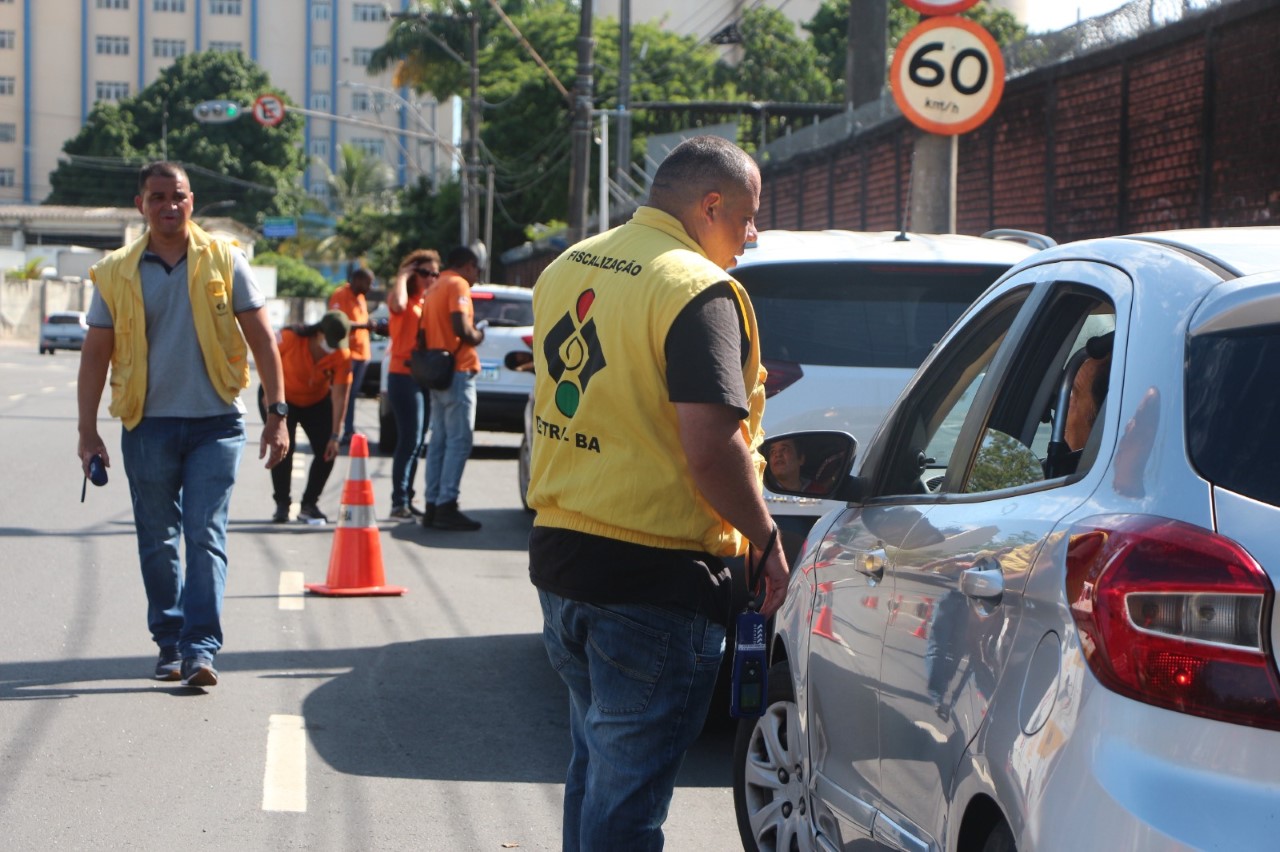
[(906, 211)]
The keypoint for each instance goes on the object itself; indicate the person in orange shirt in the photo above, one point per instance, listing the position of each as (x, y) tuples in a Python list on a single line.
[(448, 322), (350, 299), (409, 403), (317, 380)]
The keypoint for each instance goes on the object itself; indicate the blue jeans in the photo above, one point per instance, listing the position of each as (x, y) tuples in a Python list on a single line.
[(453, 422), (409, 405), (180, 472), (640, 680), (358, 369)]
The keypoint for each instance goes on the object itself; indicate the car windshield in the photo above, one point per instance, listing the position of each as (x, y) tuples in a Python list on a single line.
[(844, 314), (1233, 411), (502, 310)]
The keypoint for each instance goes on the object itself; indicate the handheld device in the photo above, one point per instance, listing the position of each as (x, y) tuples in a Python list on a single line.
[(750, 679), (97, 473)]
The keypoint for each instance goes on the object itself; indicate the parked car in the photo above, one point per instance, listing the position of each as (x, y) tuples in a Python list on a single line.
[(378, 343), (501, 392), (63, 330), (1043, 615)]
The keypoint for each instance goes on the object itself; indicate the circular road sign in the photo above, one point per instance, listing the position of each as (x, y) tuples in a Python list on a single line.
[(947, 75), (268, 110), (940, 7)]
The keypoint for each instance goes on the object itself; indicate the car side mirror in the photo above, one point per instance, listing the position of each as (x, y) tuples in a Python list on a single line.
[(811, 464), (521, 362)]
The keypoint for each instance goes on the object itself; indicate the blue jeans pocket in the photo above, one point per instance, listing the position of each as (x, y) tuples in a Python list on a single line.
[(626, 659)]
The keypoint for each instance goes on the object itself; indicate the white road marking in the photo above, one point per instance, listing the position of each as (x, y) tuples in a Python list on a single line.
[(284, 783), (14, 397), (290, 590)]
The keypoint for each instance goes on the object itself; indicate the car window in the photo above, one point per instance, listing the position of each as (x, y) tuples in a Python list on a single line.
[(502, 310), (926, 429), (1047, 409), (1233, 410), (64, 319), (847, 314)]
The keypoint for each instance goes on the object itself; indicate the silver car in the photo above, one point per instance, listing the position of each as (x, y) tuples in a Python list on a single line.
[(1045, 617)]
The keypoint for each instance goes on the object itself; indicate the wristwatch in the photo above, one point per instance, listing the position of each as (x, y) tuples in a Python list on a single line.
[(281, 408)]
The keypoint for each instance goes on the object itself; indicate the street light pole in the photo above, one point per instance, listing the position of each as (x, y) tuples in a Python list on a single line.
[(472, 225)]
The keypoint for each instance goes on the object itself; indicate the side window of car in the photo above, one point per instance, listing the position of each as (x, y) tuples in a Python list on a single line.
[(927, 427), (1046, 418)]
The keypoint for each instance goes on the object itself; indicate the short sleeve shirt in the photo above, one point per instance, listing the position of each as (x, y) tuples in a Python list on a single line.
[(353, 304), (449, 294), (306, 380)]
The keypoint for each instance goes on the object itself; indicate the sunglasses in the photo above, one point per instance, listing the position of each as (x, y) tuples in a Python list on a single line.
[(427, 273)]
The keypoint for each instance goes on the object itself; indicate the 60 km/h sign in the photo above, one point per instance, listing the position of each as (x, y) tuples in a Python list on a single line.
[(947, 75), (268, 110)]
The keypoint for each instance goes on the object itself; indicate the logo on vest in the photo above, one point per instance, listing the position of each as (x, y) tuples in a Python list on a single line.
[(574, 355)]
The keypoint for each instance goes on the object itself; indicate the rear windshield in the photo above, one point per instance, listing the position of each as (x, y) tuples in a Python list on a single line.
[(64, 319), (845, 314), (1233, 410), (502, 310)]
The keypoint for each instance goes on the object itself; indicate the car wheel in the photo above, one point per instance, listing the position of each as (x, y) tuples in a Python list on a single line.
[(1000, 839), (768, 774), (522, 473)]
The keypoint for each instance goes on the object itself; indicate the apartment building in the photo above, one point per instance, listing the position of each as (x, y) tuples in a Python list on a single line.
[(59, 57)]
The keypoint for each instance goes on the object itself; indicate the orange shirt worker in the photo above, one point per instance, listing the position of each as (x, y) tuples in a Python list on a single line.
[(317, 381), (409, 403), (350, 299)]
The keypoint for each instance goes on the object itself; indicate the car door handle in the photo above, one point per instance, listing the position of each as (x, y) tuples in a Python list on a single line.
[(871, 563), (984, 583)]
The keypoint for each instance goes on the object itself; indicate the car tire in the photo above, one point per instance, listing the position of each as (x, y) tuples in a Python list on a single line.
[(768, 766), (522, 473), (1000, 839)]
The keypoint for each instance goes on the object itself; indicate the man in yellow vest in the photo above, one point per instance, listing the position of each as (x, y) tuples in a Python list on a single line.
[(645, 476), (171, 317)]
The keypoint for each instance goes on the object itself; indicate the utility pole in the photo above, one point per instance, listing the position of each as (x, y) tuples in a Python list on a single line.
[(579, 176), (472, 177), (865, 68), (623, 160)]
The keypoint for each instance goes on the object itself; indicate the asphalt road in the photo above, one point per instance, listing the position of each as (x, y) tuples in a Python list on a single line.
[(431, 721)]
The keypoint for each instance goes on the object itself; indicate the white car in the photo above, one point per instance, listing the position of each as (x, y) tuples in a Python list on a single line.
[(1043, 614), (63, 330), (506, 313)]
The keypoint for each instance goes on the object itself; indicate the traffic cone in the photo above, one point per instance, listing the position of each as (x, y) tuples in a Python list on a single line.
[(355, 563)]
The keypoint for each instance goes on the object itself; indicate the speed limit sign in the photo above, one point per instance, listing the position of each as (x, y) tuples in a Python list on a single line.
[(268, 110), (947, 75)]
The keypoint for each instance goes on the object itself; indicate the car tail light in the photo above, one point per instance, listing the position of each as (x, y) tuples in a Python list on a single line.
[(1176, 616), (480, 296), (528, 340), (782, 374)]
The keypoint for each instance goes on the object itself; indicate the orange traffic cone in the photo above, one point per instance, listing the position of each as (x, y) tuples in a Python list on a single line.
[(355, 563)]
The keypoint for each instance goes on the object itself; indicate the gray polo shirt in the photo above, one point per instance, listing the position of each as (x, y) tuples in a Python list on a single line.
[(177, 383)]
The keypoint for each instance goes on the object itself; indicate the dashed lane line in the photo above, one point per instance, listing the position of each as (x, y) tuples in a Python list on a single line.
[(290, 590), (284, 782)]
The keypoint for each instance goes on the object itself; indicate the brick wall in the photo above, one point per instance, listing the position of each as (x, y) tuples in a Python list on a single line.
[(1177, 129)]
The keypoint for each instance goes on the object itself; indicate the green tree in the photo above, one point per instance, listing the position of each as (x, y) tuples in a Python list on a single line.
[(259, 168), (830, 31), (776, 64), (293, 277), (361, 182), (420, 217)]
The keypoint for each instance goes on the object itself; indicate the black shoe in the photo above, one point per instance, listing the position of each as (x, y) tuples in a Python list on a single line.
[(429, 516), (169, 666), (402, 513), (282, 514), (447, 517), (414, 510), (310, 513), (197, 671)]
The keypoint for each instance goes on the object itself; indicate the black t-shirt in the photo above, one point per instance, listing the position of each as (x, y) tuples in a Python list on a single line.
[(706, 349)]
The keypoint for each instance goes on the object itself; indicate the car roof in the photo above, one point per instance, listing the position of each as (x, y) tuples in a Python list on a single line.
[(504, 290), (778, 246), (1243, 251)]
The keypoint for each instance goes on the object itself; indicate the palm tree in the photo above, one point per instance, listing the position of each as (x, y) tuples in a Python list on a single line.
[(362, 182)]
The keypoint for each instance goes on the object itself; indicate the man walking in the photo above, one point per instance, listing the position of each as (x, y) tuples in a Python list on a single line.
[(350, 299), (447, 321), (645, 476), (171, 317)]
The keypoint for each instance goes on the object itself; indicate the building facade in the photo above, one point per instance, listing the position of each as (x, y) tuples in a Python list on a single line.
[(59, 57)]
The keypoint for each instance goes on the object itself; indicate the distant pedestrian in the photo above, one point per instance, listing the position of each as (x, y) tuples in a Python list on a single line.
[(317, 384), (174, 316), (410, 403), (448, 322), (350, 299), (645, 476)]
